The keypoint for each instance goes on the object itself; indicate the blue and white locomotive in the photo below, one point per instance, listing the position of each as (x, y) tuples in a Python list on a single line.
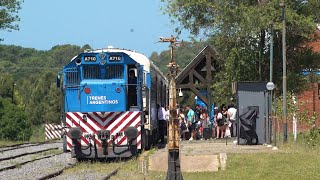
[(110, 98)]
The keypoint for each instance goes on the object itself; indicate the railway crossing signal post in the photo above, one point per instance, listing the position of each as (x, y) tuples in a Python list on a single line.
[(174, 169)]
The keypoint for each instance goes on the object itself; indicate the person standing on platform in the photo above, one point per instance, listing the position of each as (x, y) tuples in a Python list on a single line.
[(167, 117), (183, 124), (191, 122), (232, 111), (197, 112), (219, 124), (161, 122)]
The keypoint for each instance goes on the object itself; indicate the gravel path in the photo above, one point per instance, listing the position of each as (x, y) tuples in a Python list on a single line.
[(40, 168)]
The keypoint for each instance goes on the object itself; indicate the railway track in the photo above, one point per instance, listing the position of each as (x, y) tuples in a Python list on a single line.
[(25, 162), (27, 153), (57, 175), (32, 161), (43, 161), (23, 145), (112, 173)]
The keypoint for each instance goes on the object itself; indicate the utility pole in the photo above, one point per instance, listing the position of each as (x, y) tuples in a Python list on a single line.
[(174, 169), (284, 73)]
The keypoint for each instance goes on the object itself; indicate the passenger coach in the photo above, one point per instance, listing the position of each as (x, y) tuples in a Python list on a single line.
[(110, 98)]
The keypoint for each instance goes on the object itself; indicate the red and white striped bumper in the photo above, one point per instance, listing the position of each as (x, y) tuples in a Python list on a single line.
[(115, 122)]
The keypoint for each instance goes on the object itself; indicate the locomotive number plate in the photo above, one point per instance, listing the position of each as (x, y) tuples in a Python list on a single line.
[(115, 58), (90, 58)]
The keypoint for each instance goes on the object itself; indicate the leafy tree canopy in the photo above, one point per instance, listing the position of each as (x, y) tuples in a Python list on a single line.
[(8, 14), (240, 31), (14, 123)]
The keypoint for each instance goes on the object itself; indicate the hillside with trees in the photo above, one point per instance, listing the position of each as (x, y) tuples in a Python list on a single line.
[(27, 86)]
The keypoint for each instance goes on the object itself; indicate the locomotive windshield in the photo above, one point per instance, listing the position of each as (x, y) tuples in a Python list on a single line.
[(92, 72), (114, 71)]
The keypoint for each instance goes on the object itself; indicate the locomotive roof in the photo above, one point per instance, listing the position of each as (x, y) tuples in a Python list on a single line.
[(139, 58)]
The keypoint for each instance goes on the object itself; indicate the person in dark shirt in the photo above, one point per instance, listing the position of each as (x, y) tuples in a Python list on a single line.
[(198, 112)]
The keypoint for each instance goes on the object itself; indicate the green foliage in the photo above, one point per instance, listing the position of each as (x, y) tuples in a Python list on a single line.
[(38, 134), (14, 123), (8, 14), (34, 73), (6, 86), (313, 138), (240, 31)]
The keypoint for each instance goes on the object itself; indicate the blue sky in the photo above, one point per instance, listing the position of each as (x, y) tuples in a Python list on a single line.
[(129, 24)]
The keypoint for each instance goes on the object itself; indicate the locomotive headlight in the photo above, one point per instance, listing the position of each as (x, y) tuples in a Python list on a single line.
[(75, 133), (78, 61), (131, 132), (103, 62)]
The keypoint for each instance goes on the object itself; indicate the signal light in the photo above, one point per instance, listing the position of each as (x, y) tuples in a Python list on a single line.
[(118, 90), (87, 90)]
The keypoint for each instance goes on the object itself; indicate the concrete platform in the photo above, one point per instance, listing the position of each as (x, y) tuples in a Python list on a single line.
[(189, 163), (199, 156)]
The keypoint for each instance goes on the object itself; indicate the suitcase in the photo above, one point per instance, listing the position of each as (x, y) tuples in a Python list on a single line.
[(207, 133)]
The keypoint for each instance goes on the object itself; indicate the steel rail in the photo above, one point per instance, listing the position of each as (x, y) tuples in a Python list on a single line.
[(25, 162), (28, 153)]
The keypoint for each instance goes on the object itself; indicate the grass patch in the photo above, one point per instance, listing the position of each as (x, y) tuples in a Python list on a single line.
[(38, 134), (293, 161), (266, 166)]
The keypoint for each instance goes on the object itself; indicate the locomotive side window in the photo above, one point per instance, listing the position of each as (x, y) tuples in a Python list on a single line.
[(72, 76), (114, 71), (92, 72)]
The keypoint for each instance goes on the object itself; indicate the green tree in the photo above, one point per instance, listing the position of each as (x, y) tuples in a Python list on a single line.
[(240, 32), (6, 85), (8, 14), (14, 123)]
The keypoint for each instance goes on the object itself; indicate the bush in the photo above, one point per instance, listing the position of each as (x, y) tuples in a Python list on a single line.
[(313, 137), (14, 124)]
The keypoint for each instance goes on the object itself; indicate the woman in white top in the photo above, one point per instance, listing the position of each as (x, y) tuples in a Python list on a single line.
[(183, 124), (167, 113)]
